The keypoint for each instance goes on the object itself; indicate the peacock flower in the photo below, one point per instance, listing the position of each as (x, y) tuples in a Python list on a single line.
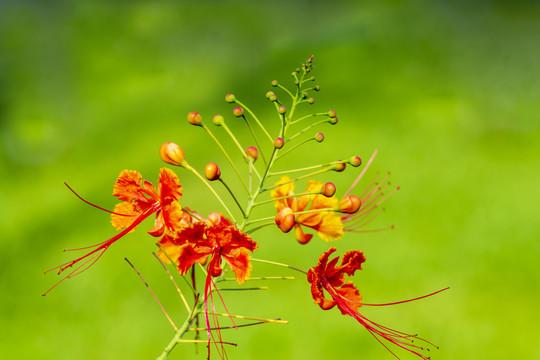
[(326, 222), (140, 199), (328, 276)]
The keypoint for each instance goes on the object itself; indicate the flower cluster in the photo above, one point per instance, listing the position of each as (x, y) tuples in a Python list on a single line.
[(223, 242)]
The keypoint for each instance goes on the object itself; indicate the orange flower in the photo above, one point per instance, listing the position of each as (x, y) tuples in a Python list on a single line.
[(327, 223), (140, 200), (343, 294), (140, 197)]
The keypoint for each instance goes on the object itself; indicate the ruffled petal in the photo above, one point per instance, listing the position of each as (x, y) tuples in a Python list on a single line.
[(169, 187), (128, 214), (239, 262), (128, 185)]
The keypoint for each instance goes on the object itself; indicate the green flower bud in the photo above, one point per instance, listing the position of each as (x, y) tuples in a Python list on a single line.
[(218, 120), (230, 98), (238, 111), (319, 137)]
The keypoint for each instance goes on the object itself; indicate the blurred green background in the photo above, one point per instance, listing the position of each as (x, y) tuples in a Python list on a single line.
[(447, 91)]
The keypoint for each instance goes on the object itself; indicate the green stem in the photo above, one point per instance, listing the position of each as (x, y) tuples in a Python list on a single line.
[(181, 331), (227, 156), (256, 119)]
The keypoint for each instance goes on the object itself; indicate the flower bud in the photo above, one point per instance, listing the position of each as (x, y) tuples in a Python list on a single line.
[(218, 120), (213, 218), (297, 82), (274, 83), (319, 137), (269, 93), (212, 172), (339, 167), (238, 111), (350, 204), (332, 113), (312, 78), (194, 118), (294, 73), (282, 109), (355, 161), (272, 98), (230, 98), (310, 100), (333, 121), (328, 189), (278, 143), (171, 153), (252, 153), (317, 88), (285, 219)]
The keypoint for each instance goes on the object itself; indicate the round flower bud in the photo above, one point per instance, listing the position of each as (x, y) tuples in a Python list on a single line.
[(238, 111), (273, 97), (319, 137), (339, 167), (355, 161), (194, 118), (294, 73), (333, 121), (213, 219), (304, 94), (269, 93), (282, 109), (311, 100), (332, 113), (312, 78), (278, 143), (171, 153), (212, 172), (230, 98), (252, 153), (274, 83), (328, 189), (297, 82), (317, 88), (218, 120), (285, 219), (350, 204)]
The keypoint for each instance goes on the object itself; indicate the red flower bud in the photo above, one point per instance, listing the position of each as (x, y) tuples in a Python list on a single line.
[(230, 98), (252, 153), (282, 109), (171, 153), (319, 137), (350, 204), (329, 189), (332, 113), (355, 161), (212, 172), (339, 167), (278, 143), (285, 219), (194, 118), (238, 111)]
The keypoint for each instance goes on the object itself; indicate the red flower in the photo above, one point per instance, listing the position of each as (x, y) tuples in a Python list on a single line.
[(140, 200), (222, 240), (343, 294)]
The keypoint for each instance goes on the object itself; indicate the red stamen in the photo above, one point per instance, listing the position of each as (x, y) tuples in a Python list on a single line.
[(401, 339), (100, 247), (94, 205)]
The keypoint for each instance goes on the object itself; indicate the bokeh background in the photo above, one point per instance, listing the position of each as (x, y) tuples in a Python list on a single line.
[(447, 91)]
